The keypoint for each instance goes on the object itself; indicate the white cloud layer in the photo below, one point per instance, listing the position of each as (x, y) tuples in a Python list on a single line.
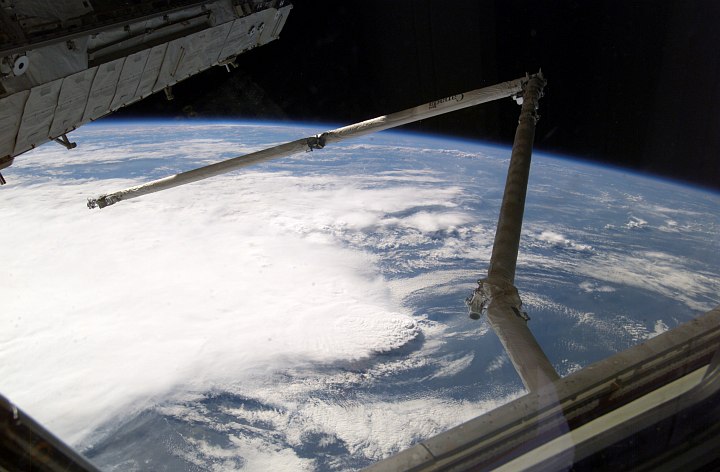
[(141, 302), (559, 240)]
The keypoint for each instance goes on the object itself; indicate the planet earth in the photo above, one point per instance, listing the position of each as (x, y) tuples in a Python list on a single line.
[(308, 313)]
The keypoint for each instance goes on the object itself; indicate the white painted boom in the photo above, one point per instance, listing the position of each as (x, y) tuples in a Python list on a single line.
[(434, 108)]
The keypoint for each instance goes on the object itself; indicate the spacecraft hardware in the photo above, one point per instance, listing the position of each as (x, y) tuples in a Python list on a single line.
[(69, 62)]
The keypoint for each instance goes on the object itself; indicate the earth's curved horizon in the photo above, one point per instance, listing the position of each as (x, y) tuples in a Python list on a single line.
[(307, 313)]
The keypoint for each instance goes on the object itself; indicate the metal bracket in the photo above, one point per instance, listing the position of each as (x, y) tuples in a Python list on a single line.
[(229, 63), (65, 142), (316, 142), (168, 93)]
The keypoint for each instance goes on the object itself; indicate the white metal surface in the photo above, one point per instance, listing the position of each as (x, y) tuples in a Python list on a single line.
[(280, 19), (151, 71), (246, 32), (103, 90), (505, 316), (53, 62), (11, 112), (129, 79), (202, 50), (37, 116), (174, 56), (71, 102)]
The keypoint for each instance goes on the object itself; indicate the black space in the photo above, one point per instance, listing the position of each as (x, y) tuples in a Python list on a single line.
[(631, 83)]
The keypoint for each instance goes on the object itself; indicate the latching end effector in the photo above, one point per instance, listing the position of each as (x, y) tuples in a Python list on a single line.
[(494, 291), (103, 201)]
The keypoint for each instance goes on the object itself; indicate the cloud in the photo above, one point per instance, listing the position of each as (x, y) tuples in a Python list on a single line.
[(187, 290), (497, 363), (561, 241), (656, 271), (451, 365), (635, 223), (395, 424), (244, 453), (368, 427), (591, 287)]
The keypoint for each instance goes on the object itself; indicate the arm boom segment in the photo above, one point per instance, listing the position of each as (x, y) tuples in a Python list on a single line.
[(496, 295), (434, 108)]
